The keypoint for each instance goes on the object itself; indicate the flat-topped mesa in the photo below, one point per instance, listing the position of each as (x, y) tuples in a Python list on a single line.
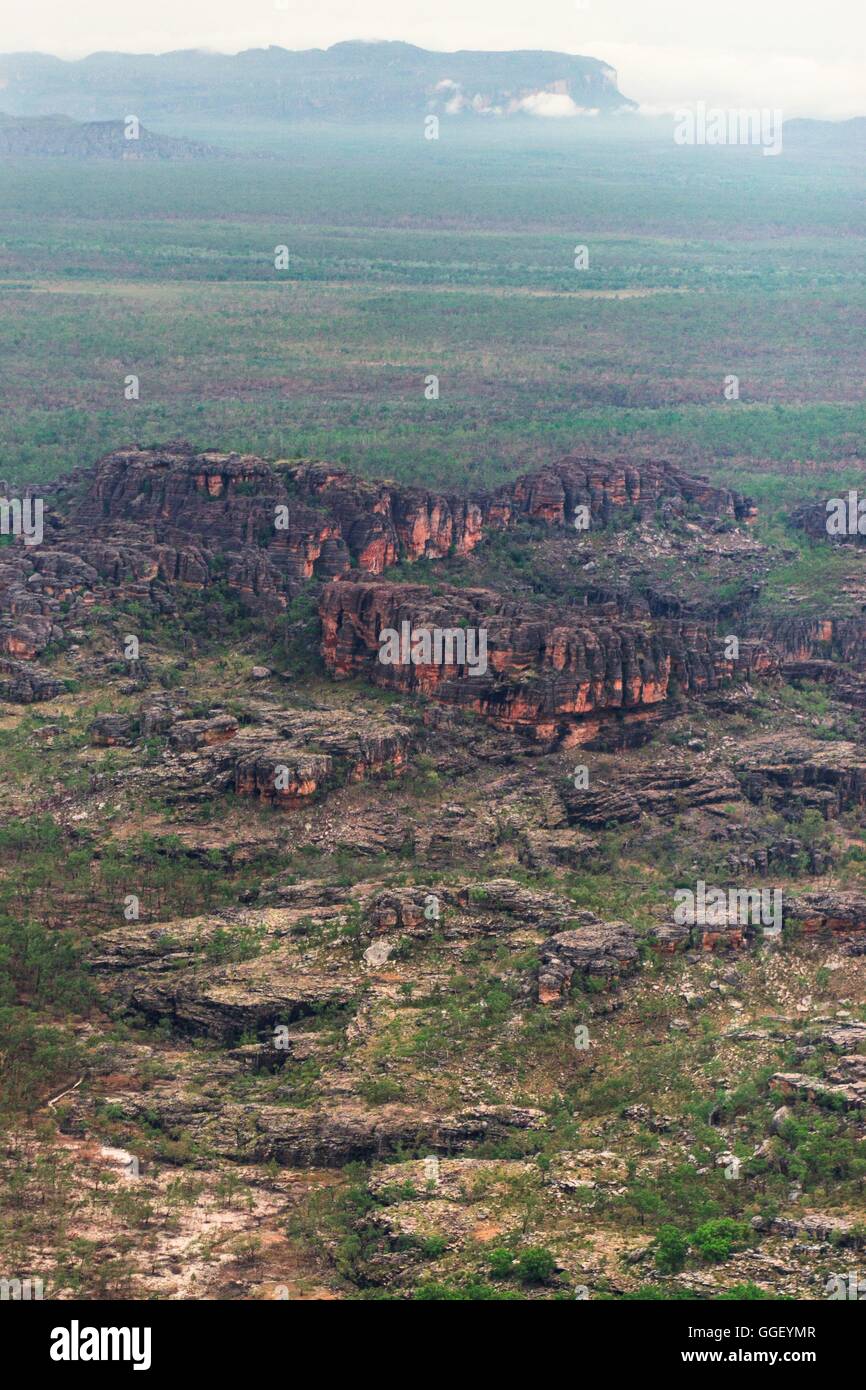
[(383, 522), (142, 522), (605, 487), (513, 662), (331, 520)]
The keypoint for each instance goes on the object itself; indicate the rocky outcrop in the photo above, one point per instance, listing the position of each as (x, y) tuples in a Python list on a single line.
[(753, 853), (404, 910), (845, 1035), (539, 673), (814, 518), (282, 776), (415, 523), (803, 641), (496, 899), (547, 849), (23, 684), (826, 913), (144, 521), (283, 757), (159, 712), (600, 805), (658, 792), (726, 931), (601, 950), (836, 1231), (330, 519), (346, 1131), (492, 905), (609, 488), (188, 734), (249, 997), (113, 731), (835, 1042), (745, 919), (821, 1092), (827, 776)]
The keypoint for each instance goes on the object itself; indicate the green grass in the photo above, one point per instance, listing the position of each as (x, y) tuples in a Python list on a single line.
[(455, 260)]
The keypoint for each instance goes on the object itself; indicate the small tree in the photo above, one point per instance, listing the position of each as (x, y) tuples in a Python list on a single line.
[(671, 1248)]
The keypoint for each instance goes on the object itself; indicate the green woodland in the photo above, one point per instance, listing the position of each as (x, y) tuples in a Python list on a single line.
[(454, 257)]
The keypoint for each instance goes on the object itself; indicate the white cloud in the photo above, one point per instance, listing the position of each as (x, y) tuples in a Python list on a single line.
[(555, 104), (802, 57), (662, 79)]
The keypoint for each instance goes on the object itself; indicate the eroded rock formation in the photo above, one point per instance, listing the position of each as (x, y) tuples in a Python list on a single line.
[(541, 673), (145, 522)]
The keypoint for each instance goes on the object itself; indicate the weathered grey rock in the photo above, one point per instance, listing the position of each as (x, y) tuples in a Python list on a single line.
[(113, 730), (605, 950), (189, 734)]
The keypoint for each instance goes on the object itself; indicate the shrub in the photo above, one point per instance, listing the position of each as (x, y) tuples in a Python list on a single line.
[(535, 1265), (501, 1263), (747, 1293), (671, 1248), (434, 1246), (716, 1240)]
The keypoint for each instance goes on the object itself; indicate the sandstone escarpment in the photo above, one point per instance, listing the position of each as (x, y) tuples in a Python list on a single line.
[(831, 639), (144, 522), (383, 522), (540, 673), (284, 758), (829, 777), (607, 487)]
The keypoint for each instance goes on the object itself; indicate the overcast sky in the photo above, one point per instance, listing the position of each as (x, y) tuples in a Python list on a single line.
[(805, 57)]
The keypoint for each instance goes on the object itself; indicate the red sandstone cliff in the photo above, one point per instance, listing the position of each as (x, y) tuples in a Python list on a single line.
[(545, 673)]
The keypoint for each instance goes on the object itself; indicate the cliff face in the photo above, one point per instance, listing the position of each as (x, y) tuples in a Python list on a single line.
[(539, 674), (808, 639), (313, 520), (609, 486), (383, 522), (143, 524), (348, 81)]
